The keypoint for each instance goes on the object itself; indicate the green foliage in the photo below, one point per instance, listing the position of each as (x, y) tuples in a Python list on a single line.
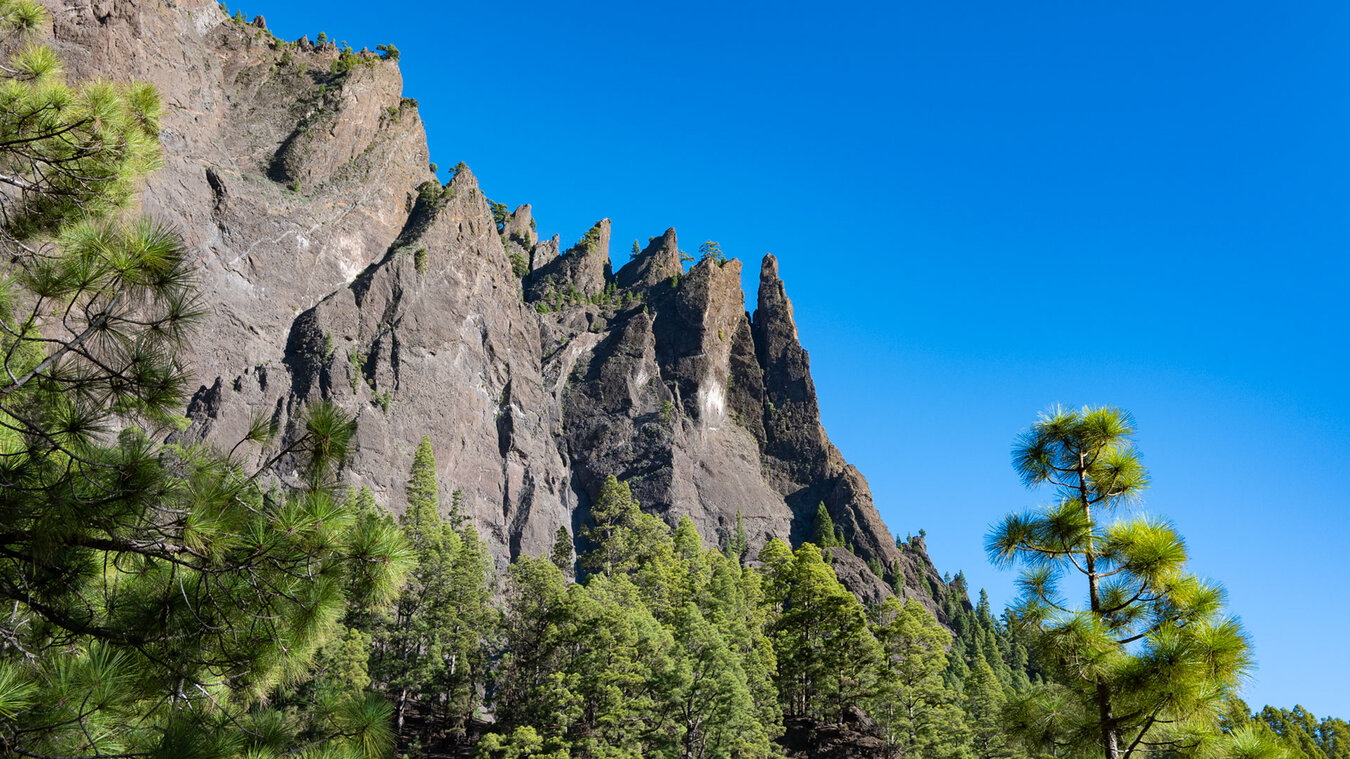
[(826, 534), (738, 545), (621, 531), (828, 658), (420, 259), (1294, 733), (431, 651), (660, 652), (588, 241), (519, 266), (430, 191), (348, 60), (712, 250), (1151, 656), (157, 596), (500, 214), (562, 554), (387, 52), (985, 699), (919, 713), (667, 412), (356, 366)]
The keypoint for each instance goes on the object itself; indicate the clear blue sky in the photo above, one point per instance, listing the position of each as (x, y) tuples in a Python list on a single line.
[(980, 209)]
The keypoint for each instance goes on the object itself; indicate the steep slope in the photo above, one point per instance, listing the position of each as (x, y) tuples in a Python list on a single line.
[(335, 266)]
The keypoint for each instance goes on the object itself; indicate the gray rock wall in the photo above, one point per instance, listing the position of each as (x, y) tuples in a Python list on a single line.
[(335, 266)]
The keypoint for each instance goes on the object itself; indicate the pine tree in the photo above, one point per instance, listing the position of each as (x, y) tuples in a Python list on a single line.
[(711, 249), (613, 512), (530, 689), (622, 533), (710, 693), (1301, 734), (984, 700), (159, 598), (738, 545), (1146, 663), (826, 536), (662, 654), (469, 621), (561, 555), (827, 657), (916, 709), (423, 492), (432, 649)]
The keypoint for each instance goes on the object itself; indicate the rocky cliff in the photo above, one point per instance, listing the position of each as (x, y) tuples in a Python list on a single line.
[(335, 265)]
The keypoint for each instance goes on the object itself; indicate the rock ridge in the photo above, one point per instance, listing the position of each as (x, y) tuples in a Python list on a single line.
[(337, 266)]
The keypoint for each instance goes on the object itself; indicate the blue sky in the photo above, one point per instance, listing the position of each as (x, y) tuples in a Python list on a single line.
[(980, 209)]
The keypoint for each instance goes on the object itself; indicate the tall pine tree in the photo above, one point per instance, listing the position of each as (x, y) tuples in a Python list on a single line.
[(1144, 665)]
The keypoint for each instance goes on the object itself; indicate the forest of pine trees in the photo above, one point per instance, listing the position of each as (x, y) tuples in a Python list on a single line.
[(168, 601)]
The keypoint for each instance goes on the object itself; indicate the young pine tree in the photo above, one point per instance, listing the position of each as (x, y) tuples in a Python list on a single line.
[(826, 535), (737, 543), (1143, 666), (984, 700), (562, 553), (622, 536)]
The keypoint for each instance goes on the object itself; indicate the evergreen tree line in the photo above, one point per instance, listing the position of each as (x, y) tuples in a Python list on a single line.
[(1299, 733), (664, 647), (652, 644)]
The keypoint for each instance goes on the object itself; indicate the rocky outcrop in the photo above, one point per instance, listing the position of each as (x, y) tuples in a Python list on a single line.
[(336, 266), (658, 262), (856, 736), (582, 272), (244, 117)]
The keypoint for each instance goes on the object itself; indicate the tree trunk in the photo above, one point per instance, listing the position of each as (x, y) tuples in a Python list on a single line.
[(1110, 742), (402, 707)]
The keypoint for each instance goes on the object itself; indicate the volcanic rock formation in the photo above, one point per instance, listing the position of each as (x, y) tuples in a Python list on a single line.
[(334, 265)]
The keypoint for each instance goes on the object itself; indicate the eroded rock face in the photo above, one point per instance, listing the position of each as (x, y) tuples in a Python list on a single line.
[(335, 266), (285, 178), (583, 270)]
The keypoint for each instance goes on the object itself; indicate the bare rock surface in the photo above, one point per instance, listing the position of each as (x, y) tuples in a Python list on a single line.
[(334, 265)]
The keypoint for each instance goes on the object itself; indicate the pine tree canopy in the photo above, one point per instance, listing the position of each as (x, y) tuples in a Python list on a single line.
[(1145, 663)]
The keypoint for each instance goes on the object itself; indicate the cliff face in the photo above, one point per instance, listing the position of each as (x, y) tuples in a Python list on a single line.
[(335, 266)]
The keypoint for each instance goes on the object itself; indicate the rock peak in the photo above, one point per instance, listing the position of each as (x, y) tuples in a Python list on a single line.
[(659, 261), (768, 267), (520, 229), (411, 318), (585, 267), (596, 240), (463, 178), (774, 311)]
